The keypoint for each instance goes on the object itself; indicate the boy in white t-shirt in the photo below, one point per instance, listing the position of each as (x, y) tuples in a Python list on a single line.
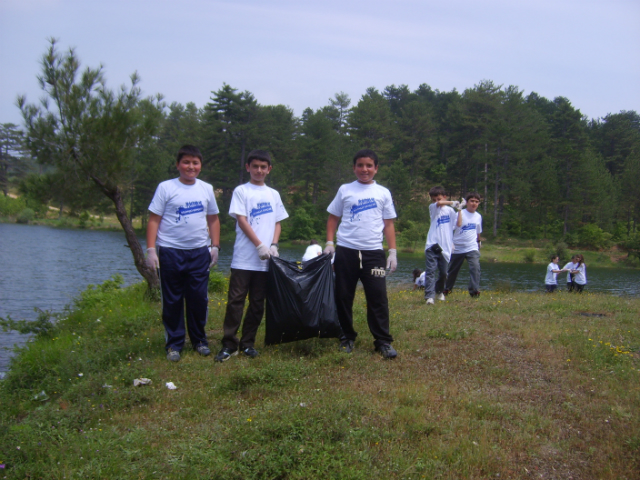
[(437, 250), (466, 245), (178, 247), (365, 213), (258, 211), (551, 279), (312, 251)]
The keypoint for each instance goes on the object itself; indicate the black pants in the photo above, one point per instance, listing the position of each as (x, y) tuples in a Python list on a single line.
[(241, 283), (184, 278), (368, 267)]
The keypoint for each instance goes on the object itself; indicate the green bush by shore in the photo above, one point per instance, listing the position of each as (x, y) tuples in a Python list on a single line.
[(511, 385)]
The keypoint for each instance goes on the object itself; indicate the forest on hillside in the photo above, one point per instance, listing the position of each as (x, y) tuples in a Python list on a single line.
[(543, 169)]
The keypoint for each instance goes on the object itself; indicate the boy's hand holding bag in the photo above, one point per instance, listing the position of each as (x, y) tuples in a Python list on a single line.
[(263, 251)]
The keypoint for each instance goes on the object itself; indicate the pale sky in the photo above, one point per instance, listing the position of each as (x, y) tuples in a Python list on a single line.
[(300, 53)]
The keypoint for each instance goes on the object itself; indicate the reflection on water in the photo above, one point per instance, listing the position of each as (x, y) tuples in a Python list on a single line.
[(47, 267)]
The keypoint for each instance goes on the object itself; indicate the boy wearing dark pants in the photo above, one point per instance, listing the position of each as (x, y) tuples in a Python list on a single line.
[(367, 214), (183, 216), (466, 245), (258, 211), (439, 242)]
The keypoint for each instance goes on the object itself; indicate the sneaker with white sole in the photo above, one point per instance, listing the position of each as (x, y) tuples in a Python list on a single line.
[(203, 350), (250, 352), (225, 354), (430, 301), (440, 297)]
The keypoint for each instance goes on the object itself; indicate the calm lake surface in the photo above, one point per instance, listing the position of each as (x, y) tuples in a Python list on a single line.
[(47, 267)]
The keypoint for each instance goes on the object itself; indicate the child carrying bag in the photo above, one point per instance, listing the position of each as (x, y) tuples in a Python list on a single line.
[(300, 301)]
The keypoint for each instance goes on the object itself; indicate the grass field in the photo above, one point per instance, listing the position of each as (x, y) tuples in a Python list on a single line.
[(506, 386)]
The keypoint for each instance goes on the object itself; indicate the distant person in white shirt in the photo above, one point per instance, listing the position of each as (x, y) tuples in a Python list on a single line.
[(466, 245), (437, 251), (418, 279), (551, 279), (312, 251), (579, 274)]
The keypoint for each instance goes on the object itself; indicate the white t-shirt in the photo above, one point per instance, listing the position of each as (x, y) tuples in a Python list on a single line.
[(263, 208), (184, 210), (363, 209), (465, 238), (443, 221), (420, 280), (581, 277), (311, 252), (569, 266), (551, 278)]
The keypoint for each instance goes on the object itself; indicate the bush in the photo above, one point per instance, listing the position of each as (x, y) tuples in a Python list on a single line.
[(11, 206), (592, 236), (218, 283), (26, 216), (97, 294), (529, 255)]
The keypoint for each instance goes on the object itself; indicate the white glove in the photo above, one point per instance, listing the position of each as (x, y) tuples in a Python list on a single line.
[(214, 256), (263, 251), (455, 204), (329, 248), (479, 245), (273, 250), (392, 260), (152, 259), (463, 203)]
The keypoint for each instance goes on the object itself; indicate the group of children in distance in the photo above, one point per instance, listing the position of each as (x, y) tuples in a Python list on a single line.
[(183, 243), (454, 236), (576, 274)]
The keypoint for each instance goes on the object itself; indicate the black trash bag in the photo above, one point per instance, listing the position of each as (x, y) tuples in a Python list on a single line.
[(300, 301)]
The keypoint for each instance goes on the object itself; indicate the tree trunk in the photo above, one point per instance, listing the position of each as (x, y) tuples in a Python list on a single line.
[(136, 249), (495, 207)]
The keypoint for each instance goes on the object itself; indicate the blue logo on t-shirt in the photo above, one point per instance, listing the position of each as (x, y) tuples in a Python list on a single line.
[(468, 226), (363, 204), (261, 209), (189, 209), (442, 220)]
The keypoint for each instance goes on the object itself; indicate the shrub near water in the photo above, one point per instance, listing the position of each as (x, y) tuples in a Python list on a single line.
[(510, 385)]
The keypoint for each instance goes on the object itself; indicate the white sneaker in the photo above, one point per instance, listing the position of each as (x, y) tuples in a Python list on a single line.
[(440, 297), (430, 301)]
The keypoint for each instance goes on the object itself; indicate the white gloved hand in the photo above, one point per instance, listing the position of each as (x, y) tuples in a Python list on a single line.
[(263, 251), (214, 256), (455, 204), (329, 248), (273, 250), (152, 259), (463, 203), (392, 260)]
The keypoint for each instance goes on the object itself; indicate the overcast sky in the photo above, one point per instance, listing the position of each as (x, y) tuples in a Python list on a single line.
[(300, 53)]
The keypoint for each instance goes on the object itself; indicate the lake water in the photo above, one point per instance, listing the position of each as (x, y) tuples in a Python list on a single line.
[(46, 268)]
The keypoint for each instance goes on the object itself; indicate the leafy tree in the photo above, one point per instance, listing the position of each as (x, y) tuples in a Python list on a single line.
[(86, 129), (11, 155)]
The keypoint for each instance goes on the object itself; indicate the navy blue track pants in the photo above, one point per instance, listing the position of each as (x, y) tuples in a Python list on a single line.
[(184, 278)]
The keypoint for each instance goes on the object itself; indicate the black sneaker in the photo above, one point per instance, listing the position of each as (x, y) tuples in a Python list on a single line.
[(250, 352), (387, 351), (225, 354), (346, 346), (474, 294)]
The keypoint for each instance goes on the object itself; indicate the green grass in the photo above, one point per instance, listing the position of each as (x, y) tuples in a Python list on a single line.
[(510, 385)]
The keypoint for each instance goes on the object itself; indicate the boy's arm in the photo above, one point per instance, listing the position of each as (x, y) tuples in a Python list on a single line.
[(213, 222), (332, 226), (263, 250), (243, 223), (276, 233), (459, 223), (390, 236), (152, 233)]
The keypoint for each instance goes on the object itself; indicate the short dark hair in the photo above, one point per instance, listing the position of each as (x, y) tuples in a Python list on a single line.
[(190, 151), (473, 195), (314, 241), (261, 155), (364, 153), (416, 273), (555, 255), (438, 190)]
